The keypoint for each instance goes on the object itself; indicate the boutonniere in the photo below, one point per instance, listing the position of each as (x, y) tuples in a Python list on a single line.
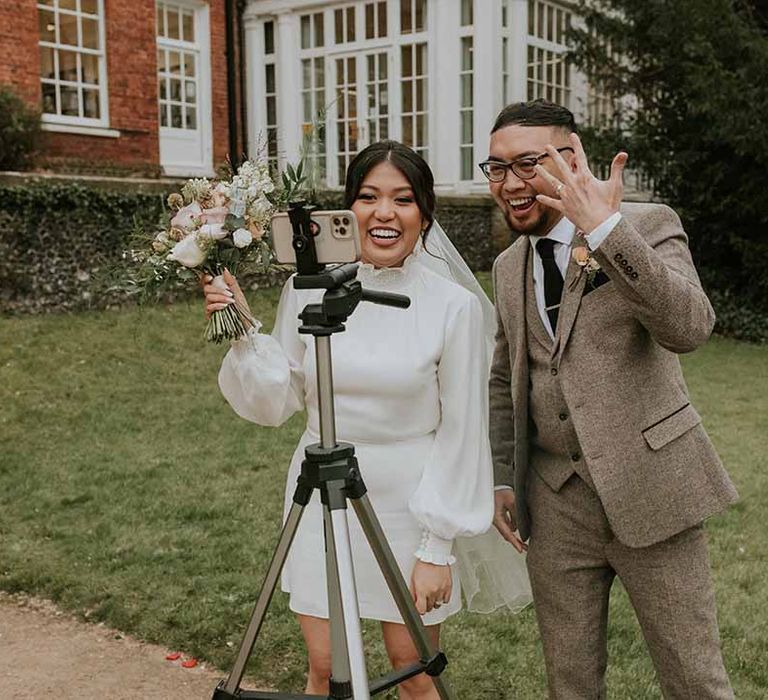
[(588, 265)]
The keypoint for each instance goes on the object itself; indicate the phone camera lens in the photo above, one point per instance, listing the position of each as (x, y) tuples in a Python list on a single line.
[(336, 221), (346, 221), (342, 231)]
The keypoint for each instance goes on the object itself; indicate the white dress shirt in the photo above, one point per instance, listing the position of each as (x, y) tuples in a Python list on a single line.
[(563, 234)]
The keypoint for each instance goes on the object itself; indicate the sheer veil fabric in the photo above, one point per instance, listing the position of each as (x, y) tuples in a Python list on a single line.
[(493, 574)]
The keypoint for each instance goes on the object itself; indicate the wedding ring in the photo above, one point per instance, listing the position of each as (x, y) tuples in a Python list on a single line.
[(437, 605), (559, 188)]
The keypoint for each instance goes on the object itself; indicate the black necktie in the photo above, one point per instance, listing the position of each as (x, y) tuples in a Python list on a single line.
[(553, 280)]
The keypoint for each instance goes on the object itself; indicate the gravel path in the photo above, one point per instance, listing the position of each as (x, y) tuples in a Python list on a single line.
[(46, 653)]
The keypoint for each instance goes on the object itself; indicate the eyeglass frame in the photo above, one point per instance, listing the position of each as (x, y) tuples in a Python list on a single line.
[(511, 165)]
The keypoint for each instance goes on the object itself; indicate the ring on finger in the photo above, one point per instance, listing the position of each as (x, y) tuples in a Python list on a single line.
[(559, 188), (436, 605)]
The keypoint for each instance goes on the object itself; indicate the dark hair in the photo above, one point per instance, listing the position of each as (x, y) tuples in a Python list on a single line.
[(539, 112), (407, 161)]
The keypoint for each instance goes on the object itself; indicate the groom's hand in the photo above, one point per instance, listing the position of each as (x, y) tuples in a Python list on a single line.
[(505, 519), (585, 200)]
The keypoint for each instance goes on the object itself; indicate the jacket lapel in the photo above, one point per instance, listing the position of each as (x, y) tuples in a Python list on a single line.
[(520, 372)]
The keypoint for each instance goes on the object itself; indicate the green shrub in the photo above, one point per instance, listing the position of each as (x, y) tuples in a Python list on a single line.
[(56, 240), (19, 131)]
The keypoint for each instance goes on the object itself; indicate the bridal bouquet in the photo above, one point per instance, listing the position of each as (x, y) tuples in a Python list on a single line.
[(210, 226)]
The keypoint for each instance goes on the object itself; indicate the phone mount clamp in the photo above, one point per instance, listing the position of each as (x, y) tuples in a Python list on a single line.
[(331, 467)]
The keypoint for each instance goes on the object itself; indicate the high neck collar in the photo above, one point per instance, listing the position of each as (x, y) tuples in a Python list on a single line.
[(387, 276)]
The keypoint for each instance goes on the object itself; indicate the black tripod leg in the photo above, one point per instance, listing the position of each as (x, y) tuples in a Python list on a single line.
[(265, 595), (397, 586)]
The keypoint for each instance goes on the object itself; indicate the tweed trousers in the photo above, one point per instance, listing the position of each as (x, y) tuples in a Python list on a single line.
[(573, 558)]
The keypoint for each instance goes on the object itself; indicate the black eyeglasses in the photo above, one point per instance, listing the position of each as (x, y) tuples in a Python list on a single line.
[(524, 168)]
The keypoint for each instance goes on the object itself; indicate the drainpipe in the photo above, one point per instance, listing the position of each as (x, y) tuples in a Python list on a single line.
[(229, 16), (241, 4)]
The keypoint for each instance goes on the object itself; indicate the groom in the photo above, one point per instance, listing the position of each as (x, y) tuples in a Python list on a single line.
[(601, 462)]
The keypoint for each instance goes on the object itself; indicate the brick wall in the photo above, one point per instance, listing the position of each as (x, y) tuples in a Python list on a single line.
[(19, 55), (132, 86)]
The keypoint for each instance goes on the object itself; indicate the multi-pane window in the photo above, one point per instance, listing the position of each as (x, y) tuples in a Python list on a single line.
[(413, 16), (313, 110), (346, 116), (344, 24), (505, 76), (466, 83), (178, 61), (413, 64), (377, 93), (549, 74), (313, 95), (603, 108), (270, 94), (312, 31), (375, 20), (72, 64)]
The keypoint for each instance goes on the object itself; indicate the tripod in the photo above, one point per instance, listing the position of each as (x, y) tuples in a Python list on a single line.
[(331, 467)]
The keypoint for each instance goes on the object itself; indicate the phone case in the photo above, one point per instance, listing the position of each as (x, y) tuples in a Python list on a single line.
[(337, 240)]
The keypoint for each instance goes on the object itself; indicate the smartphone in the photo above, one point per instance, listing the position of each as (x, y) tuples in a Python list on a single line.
[(337, 239)]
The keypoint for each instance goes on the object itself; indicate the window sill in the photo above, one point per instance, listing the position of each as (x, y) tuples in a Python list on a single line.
[(82, 130)]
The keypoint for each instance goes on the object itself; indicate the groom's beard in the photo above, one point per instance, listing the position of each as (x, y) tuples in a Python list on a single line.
[(538, 225)]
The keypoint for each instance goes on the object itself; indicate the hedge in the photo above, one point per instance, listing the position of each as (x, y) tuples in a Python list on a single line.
[(58, 240)]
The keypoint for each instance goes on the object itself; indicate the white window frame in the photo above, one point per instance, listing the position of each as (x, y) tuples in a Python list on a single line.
[(466, 32), (551, 46), (270, 59), (205, 97), (77, 124), (391, 44), (319, 147)]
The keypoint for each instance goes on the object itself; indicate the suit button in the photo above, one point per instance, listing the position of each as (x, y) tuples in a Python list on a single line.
[(553, 371), (575, 457), (617, 257), (628, 269), (635, 275), (623, 262), (563, 416)]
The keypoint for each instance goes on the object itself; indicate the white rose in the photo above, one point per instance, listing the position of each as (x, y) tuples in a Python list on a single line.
[(242, 238), (213, 231), (188, 253)]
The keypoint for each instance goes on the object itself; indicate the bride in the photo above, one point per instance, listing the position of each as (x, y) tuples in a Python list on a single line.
[(410, 393)]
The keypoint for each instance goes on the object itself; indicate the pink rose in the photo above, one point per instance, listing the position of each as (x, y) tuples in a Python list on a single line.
[(256, 231), (215, 215), (184, 217), (219, 199)]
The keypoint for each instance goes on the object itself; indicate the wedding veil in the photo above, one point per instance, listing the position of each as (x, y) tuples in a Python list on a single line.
[(493, 574)]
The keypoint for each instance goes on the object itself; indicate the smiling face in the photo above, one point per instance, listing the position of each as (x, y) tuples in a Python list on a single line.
[(388, 217), (516, 197)]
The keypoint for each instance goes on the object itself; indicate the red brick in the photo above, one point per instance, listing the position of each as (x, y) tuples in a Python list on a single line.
[(132, 86)]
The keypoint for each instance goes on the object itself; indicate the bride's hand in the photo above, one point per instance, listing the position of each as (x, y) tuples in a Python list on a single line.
[(430, 585), (221, 291)]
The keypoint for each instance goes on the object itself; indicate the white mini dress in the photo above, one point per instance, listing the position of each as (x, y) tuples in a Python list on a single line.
[(410, 389)]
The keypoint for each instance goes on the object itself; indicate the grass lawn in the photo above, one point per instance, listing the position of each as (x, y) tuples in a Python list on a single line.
[(131, 493)]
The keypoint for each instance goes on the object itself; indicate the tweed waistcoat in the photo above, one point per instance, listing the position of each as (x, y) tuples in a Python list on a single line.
[(555, 450)]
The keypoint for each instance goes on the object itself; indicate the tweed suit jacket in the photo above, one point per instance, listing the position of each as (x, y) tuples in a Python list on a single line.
[(654, 468)]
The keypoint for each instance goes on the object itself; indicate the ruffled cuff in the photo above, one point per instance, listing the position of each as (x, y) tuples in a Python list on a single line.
[(435, 550)]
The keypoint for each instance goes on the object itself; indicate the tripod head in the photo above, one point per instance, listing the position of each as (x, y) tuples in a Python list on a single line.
[(343, 291)]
